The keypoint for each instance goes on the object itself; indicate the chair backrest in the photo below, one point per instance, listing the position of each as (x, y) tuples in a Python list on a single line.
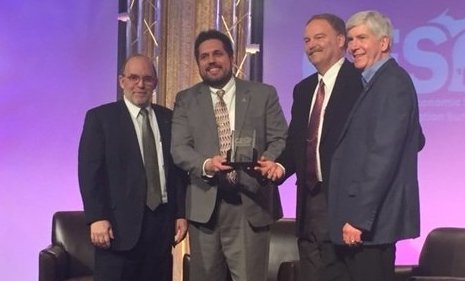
[(443, 253), (283, 246), (70, 230)]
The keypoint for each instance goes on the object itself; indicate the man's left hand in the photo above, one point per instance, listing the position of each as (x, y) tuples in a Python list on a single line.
[(352, 236), (180, 230), (269, 169)]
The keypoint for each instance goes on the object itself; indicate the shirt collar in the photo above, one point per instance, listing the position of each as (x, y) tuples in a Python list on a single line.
[(368, 73), (330, 76), (226, 87), (134, 109)]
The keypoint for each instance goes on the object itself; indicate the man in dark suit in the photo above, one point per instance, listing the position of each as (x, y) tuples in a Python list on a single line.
[(132, 192), (229, 211), (373, 182), (310, 156)]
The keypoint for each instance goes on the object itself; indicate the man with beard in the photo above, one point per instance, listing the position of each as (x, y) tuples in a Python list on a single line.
[(230, 210), (322, 103)]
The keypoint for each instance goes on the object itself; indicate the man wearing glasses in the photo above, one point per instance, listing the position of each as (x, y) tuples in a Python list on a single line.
[(133, 194)]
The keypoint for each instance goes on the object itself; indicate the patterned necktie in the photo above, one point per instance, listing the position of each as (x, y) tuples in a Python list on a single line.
[(312, 137), (150, 162), (224, 130)]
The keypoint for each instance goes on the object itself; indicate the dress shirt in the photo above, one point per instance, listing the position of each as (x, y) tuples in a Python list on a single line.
[(329, 78), (137, 121), (229, 98), (368, 73)]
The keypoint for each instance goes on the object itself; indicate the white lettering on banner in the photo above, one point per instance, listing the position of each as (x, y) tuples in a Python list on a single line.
[(438, 49)]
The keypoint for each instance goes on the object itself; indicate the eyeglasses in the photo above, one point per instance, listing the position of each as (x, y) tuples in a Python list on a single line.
[(133, 78)]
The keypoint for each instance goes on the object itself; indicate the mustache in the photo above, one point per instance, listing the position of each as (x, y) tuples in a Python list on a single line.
[(314, 50), (213, 65)]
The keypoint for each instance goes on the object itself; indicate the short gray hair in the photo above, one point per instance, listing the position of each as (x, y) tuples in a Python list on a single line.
[(379, 24)]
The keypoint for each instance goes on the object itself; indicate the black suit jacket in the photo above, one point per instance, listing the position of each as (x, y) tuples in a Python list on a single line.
[(112, 175), (346, 90)]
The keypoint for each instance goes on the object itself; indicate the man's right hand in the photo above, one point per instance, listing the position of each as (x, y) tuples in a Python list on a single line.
[(216, 164), (101, 233)]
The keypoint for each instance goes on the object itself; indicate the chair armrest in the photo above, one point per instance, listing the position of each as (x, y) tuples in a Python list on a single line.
[(53, 263), (186, 260), (288, 271), (404, 272)]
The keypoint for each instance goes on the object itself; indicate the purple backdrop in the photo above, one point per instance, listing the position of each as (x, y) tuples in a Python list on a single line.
[(57, 59), (430, 44)]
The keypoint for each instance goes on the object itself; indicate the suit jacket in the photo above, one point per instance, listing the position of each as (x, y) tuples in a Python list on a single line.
[(346, 90), (112, 175), (195, 138), (373, 179)]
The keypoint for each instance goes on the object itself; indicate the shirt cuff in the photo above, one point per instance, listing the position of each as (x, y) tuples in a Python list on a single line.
[(282, 167), (204, 173)]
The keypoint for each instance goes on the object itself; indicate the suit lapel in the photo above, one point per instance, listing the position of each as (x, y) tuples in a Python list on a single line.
[(205, 106), (362, 96), (307, 102), (337, 96), (304, 101), (242, 104), (128, 136), (164, 129)]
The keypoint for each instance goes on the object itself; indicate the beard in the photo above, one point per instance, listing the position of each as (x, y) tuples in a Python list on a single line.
[(218, 82)]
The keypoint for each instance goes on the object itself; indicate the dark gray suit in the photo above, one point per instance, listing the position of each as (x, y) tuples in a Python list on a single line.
[(195, 138)]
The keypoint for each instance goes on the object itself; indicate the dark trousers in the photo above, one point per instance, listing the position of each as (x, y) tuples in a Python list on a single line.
[(320, 261), (368, 263), (149, 260)]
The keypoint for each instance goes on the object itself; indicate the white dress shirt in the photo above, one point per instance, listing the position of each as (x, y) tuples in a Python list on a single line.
[(329, 78), (229, 99), (137, 121)]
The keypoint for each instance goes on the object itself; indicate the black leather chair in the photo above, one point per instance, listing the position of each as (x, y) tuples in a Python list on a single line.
[(442, 257), (70, 257), (283, 248)]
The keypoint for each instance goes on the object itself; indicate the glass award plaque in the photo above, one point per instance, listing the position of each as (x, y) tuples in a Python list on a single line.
[(242, 153)]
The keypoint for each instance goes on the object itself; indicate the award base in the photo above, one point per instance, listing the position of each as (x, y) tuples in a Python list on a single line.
[(242, 160)]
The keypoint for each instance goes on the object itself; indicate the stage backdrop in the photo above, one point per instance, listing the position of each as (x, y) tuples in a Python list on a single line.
[(429, 42), (57, 59)]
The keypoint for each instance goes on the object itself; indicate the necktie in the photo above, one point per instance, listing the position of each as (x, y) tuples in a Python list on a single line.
[(224, 130), (312, 137), (150, 162)]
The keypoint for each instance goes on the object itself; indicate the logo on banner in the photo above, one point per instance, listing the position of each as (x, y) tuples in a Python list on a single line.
[(434, 53)]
